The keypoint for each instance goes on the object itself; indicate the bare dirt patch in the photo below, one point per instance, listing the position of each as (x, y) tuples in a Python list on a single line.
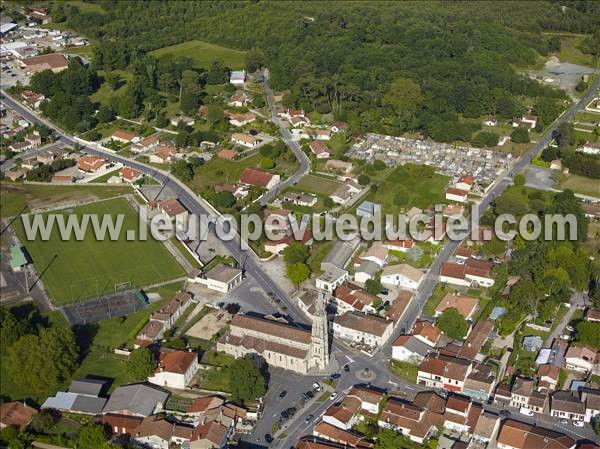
[(209, 325)]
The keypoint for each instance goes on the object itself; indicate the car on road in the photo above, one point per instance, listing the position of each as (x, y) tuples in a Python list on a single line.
[(285, 415), (564, 421), (291, 411), (282, 394), (504, 413), (310, 394), (309, 418), (333, 395), (268, 438), (525, 411), (304, 396), (385, 291), (565, 337), (346, 367), (335, 376), (570, 328), (317, 386), (578, 423)]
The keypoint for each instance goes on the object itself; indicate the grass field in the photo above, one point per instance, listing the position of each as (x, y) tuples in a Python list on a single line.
[(104, 94), (570, 53), (20, 198), (74, 270), (582, 185), (318, 185), (408, 186), (203, 54), (219, 170)]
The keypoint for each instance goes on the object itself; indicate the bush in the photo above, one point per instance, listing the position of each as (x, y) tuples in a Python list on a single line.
[(520, 135), (485, 139), (364, 180), (266, 163)]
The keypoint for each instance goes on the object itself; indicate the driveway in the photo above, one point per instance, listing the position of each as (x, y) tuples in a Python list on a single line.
[(540, 178)]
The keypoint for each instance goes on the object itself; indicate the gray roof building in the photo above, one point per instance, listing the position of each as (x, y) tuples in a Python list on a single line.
[(90, 387), (340, 254), (75, 403), (137, 399)]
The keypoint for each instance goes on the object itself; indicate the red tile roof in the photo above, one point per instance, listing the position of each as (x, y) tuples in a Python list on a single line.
[(254, 177), (176, 362)]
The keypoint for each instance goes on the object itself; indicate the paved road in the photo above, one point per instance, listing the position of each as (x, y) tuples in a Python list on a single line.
[(287, 138), (188, 198)]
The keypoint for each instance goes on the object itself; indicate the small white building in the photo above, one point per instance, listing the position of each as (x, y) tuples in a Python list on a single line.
[(363, 329), (331, 278), (237, 77), (402, 275), (222, 278), (175, 369), (408, 348)]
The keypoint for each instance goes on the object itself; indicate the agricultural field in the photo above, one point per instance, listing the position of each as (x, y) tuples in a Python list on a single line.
[(569, 51), (76, 270), (581, 184), (203, 53), (409, 186)]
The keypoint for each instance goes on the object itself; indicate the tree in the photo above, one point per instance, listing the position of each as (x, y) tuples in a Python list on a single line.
[(246, 379), (485, 139), (520, 179), (554, 44), (296, 252), (565, 135), (452, 324), (43, 421), (363, 179), (328, 202), (520, 135), (588, 333), (297, 273), (255, 59), (105, 114), (223, 200), (266, 163), (190, 92), (373, 286), (140, 364), (404, 97), (41, 362), (11, 328)]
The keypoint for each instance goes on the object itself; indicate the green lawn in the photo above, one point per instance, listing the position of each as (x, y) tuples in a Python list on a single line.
[(104, 93), (408, 186), (319, 185), (74, 270), (404, 370), (581, 184), (219, 170), (20, 198), (569, 51), (203, 54), (104, 178)]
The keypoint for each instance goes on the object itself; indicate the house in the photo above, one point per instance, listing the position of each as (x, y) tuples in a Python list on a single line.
[(146, 144), (18, 147), (92, 164), (16, 414), (528, 122), (344, 415), (163, 155), (402, 275), (363, 329), (259, 178), (408, 348), (567, 405), (472, 271), (592, 315), (479, 383), (463, 254), (461, 415), (124, 136), (519, 435), (130, 174), (32, 99), (240, 119), (301, 120), (319, 149), (339, 127), (56, 62), (320, 134), (414, 422), (121, 424), (300, 199), (237, 77), (396, 310), (377, 254), (279, 245), (332, 278), (157, 432), (210, 435), (239, 99), (403, 246), (222, 278), (547, 375), (176, 211), (524, 395), (238, 190), (443, 372), (345, 192), (164, 318), (46, 157), (82, 398), (490, 121), (465, 305), (465, 182), (476, 339), (486, 429), (245, 140), (427, 332), (589, 148), (341, 253), (136, 400), (348, 297), (367, 209), (186, 121), (277, 220), (346, 438), (454, 194), (365, 271), (591, 399), (175, 369), (205, 408), (580, 358), (290, 113), (34, 140), (369, 398)]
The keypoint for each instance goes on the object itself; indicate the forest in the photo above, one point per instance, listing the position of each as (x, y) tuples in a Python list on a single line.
[(388, 67)]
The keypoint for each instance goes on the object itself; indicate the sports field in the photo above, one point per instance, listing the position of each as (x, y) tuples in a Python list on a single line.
[(75, 270), (203, 54)]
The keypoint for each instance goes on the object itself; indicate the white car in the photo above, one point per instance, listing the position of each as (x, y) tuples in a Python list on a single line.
[(333, 395), (317, 386), (525, 411), (578, 423)]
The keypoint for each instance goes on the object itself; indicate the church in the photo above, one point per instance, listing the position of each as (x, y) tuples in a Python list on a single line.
[(279, 343)]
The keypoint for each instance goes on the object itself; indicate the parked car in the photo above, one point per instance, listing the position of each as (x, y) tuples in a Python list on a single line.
[(291, 411), (268, 438), (282, 394), (304, 396), (525, 411), (317, 386), (310, 394), (285, 415), (346, 367), (333, 395), (564, 421), (309, 418), (385, 291), (570, 328), (335, 376), (578, 423), (504, 413)]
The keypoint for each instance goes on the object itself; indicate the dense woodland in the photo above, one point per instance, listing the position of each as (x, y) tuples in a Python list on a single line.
[(388, 66)]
